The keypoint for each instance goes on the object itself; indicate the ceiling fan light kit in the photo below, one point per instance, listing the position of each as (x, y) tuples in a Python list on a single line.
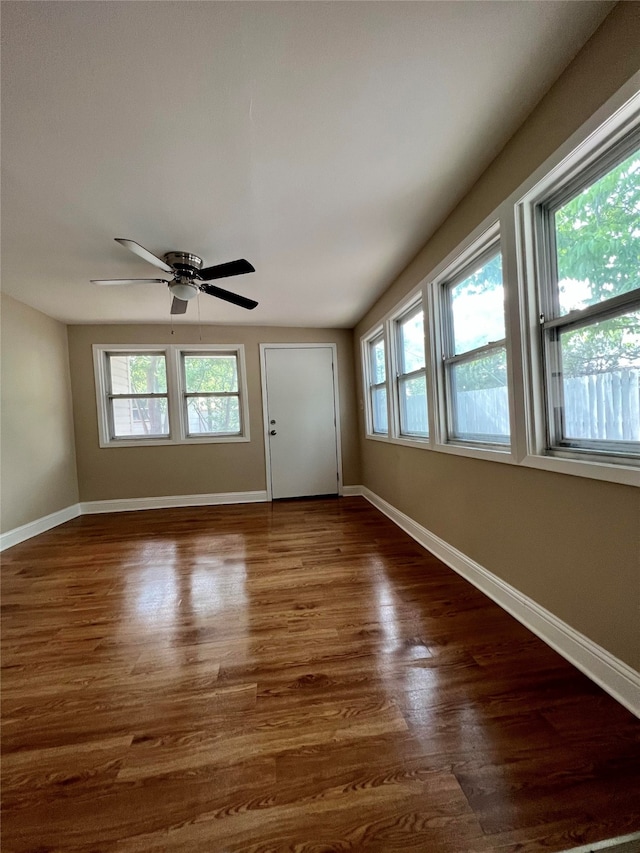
[(189, 278), (183, 289)]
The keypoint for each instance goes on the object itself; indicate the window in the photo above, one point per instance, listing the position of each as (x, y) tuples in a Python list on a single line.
[(411, 386), (170, 394), (378, 385), (375, 376), (523, 345), (588, 238), (137, 394), (474, 354), (211, 396)]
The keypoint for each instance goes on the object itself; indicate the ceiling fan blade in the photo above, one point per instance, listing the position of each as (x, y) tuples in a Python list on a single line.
[(239, 267), (129, 281), (178, 306), (234, 298), (143, 253)]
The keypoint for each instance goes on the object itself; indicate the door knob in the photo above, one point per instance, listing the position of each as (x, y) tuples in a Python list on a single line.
[(273, 432)]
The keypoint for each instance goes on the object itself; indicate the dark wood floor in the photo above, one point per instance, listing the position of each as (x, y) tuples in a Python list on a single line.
[(299, 677)]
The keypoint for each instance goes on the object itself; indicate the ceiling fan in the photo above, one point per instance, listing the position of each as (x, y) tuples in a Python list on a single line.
[(189, 276)]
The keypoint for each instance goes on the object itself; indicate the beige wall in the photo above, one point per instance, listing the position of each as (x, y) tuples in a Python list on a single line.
[(37, 444), (135, 472), (570, 543)]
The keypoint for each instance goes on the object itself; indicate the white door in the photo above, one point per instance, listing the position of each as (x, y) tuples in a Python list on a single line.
[(300, 410)]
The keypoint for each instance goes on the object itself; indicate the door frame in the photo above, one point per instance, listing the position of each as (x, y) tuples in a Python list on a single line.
[(265, 412)]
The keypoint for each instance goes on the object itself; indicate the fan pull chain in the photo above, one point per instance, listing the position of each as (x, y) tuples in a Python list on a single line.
[(199, 322)]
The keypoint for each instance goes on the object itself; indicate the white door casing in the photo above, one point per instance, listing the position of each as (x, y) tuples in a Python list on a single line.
[(300, 393)]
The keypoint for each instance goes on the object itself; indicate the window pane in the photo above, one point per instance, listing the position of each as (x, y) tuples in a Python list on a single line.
[(143, 373), (379, 406), (477, 304), (413, 406), (598, 239), (411, 342), (601, 380), (479, 398), (213, 373), (211, 415), (378, 370), (142, 416)]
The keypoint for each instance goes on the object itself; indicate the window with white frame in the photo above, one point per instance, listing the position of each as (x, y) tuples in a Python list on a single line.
[(211, 393), (377, 379), (567, 336), (136, 395), (411, 380), (170, 394), (587, 234), (474, 353)]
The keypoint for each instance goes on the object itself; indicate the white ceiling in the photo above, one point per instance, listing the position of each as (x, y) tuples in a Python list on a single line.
[(322, 141)]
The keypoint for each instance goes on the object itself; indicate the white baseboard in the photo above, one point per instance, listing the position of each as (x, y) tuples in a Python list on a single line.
[(613, 675), (351, 491), (40, 525), (169, 501), (622, 842)]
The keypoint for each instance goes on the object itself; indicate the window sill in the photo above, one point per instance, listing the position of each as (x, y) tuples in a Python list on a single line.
[(476, 452), (376, 437), (407, 441), (626, 475), (489, 453), (164, 442)]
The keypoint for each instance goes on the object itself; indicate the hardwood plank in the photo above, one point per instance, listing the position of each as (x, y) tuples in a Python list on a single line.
[(290, 676), (390, 817)]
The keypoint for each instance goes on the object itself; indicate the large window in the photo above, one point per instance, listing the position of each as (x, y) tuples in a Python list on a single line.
[(170, 394), (588, 237), (377, 374), (411, 385), (474, 352), (523, 345), (137, 398), (211, 394)]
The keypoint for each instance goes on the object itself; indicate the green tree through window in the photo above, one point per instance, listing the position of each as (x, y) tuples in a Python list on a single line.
[(598, 257), (211, 387)]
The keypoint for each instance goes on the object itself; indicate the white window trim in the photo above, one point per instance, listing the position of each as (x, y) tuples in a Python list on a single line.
[(426, 292), (365, 349), (489, 233), (177, 418), (563, 167), (396, 434), (523, 373)]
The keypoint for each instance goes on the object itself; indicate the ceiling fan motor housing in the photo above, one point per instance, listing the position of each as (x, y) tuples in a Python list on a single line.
[(186, 267), (184, 263)]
